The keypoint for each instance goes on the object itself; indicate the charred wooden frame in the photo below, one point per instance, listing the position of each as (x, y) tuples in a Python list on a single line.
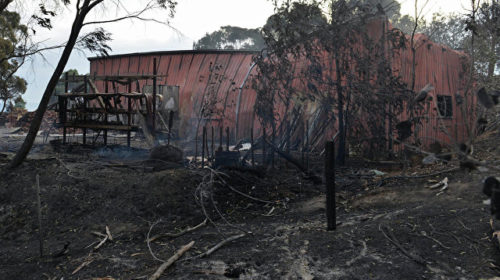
[(93, 110)]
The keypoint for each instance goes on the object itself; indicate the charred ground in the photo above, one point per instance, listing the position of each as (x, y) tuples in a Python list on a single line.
[(389, 227)]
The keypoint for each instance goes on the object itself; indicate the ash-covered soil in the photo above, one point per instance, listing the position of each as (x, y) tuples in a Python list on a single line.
[(395, 228)]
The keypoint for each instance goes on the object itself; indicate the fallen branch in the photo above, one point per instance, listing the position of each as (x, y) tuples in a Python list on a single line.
[(419, 176), (69, 170), (424, 234), (108, 233), (269, 213), (220, 244), (315, 178), (99, 234), (394, 241), (174, 235), (101, 243), (218, 174), (149, 243), (443, 183), (222, 216), (202, 191), (170, 261), (84, 264)]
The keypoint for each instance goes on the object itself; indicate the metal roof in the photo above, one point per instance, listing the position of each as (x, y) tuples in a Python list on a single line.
[(174, 52)]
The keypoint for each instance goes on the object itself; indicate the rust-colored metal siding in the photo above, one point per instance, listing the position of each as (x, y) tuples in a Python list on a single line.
[(444, 68), (190, 70)]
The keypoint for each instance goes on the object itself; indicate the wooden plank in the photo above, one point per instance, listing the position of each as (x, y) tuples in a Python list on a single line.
[(102, 111), (81, 78), (102, 126), (96, 95), (95, 90)]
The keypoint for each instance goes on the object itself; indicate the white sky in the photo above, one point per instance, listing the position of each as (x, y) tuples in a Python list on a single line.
[(193, 19), (433, 6)]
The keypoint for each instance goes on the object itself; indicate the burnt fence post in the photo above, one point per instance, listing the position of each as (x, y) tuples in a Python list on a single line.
[(252, 147), (227, 138), (220, 138), (330, 185), (204, 137), (264, 147), (212, 143)]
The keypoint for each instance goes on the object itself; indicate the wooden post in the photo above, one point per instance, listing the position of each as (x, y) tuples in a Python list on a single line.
[(330, 185), (170, 125), (154, 97), (39, 212), (85, 86), (227, 138), (288, 127), (212, 143), (129, 112), (302, 150), (207, 150), (105, 135), (220, 138), (204, 138), (264, 147), (64, 107), (196, 146), (273, 139), (251, 147), (307, 145)]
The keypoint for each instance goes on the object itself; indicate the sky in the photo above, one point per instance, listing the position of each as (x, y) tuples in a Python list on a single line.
[(193, 19)]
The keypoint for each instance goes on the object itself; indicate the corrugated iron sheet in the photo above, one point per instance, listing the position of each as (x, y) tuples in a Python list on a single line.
[(190, 70)]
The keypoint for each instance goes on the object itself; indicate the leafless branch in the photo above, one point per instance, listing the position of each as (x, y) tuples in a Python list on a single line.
[(217, 246), (174, 235)]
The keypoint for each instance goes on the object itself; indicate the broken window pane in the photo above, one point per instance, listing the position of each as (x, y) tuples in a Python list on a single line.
[(445, 106)]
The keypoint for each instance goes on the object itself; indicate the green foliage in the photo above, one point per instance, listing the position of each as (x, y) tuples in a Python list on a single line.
[(12, 36), (19, 103), (406, 24), (70, 72), (60, 84), (231, 38), (447, 30), (487, 43), (455, 31), (293, 24), (96, 41), (391, 8)]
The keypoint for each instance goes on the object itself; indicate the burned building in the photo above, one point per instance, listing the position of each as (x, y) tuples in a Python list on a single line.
[(214, 88)]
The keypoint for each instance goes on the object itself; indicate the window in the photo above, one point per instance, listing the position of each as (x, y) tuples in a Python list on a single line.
[(445, 106)]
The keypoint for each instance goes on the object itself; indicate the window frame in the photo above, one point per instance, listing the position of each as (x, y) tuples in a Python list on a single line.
[(447, 101)]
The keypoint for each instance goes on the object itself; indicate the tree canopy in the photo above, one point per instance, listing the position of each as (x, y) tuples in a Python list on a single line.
[(231, 38), (457, 31), (391, 8), (12, 36)]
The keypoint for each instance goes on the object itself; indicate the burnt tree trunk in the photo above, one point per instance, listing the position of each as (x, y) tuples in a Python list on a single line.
[(4, 4), (493, 59), (340, 102), (42, 107)]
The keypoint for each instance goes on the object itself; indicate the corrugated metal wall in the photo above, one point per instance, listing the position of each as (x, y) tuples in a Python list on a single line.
[(220, 73), (443, 68), (191, 71)]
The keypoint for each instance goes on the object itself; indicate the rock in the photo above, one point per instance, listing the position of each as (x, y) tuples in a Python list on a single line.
[(377, 172), (430, 159), (166, 153)]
